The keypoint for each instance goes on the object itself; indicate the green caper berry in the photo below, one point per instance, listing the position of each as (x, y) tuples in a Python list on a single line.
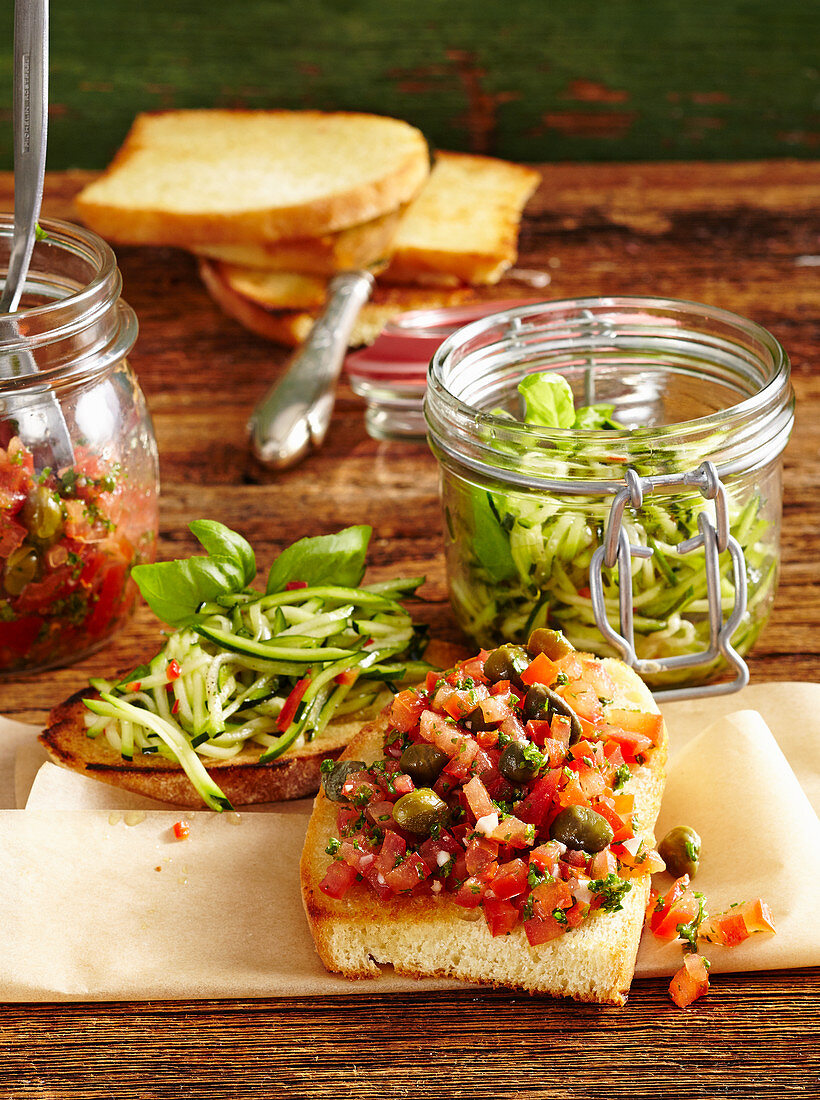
[(43, 514), (506, 663), (423, 763), (680, 851), (515, 764), (20, 570), (582, 829), (552, 643), (419, 811)]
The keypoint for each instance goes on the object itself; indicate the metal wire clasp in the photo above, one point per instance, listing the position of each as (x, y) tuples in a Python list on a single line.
[(715, 538)]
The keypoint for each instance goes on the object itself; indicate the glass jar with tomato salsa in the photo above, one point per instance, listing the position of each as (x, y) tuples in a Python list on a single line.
[(78, 459)]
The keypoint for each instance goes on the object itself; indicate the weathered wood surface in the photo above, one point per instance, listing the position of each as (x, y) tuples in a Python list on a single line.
[(739, 236), (565, 80)]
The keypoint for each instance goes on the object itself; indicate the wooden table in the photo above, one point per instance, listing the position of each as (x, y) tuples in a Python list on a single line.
[(743, 236)]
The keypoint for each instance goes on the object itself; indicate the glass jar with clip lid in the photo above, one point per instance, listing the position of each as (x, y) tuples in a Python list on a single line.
[(78, 458), (647, 526)]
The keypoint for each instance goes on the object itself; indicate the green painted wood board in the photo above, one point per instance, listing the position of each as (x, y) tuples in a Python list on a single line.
[(532, 80)]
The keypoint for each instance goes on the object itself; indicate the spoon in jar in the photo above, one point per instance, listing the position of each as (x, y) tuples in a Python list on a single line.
[(40, 422)]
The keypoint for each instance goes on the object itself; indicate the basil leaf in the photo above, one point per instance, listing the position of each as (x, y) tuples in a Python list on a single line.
[(548, 400), (491, 542), (325, 559), (175, 589), (221, 542)]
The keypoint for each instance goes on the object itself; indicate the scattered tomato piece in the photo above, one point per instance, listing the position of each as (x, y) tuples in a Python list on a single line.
[(690, 982), (181, 830)]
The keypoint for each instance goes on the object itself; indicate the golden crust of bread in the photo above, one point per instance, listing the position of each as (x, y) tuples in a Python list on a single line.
[(434, 937), (464, 222), (242, 779), (194, 177), (348, 249), (291, 326)]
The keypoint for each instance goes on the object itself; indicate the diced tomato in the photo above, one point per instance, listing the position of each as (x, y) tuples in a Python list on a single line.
[(631, 744), (172, 672), (391, 852), (473, 667), (405, 710), (487, 739), (635, 721), (288, 711), (545, 857), (17, 637), (551, 895), (513, 832), (495, 708), (537, 804), (690, 982), (338, 879), (585, 703), (542, 929), (346, 817), (447, 737), (663, 905), (429, 850), (728, 929), (181, 830), (360, 789), (357, 854), (602, 864), (501, 916), (479, 801), (575, 914), (541, 670), (572, 793), (409, 873), (510, 880), (470, 894), (380, 813), (592, 782), (758, 916), (12, 534), (480, 853), (621, 824), (679, 906), (561, 728)]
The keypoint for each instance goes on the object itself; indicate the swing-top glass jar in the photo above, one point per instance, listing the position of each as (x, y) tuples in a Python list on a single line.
[(681, 413), (78, 459)]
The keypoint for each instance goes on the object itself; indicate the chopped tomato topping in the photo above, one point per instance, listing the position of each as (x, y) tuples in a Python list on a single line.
[(181, 829), (690, 982), (338, 879), (541, 670), (502, 916)]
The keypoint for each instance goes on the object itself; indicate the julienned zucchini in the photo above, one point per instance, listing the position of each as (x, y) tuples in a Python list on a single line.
[(264, 671)]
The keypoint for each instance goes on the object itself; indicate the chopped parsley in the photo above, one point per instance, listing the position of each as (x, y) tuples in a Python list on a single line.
[(612, 890)]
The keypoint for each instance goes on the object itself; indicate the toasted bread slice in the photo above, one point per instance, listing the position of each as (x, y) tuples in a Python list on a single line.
[(348, 250), (196, 177), (463, 225), (432, 936), (291, 326), (242, 779)]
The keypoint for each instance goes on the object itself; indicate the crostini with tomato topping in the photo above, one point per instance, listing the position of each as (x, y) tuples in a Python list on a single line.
[(494, 825)]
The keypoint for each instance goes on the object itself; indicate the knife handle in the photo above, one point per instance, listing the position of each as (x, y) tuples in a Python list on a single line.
[(293, 417)]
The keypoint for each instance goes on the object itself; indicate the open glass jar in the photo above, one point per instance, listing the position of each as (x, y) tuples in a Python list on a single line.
[(694, 474), (78, 459)]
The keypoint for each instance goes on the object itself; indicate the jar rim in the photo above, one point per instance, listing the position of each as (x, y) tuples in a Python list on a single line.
[(461, 429), (83, 310)]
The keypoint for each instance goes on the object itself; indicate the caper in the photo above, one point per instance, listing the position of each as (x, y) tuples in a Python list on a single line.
[(423, 763), (506, 663), (550, 642), (419, 811), (43, 514), (475, 721), (680, 851), (582, 829), (541, 703), (21, 568), (516, 763), (334, 780)]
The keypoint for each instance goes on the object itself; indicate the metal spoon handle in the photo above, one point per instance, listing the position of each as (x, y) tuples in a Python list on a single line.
[(30, 130), (293, 416)]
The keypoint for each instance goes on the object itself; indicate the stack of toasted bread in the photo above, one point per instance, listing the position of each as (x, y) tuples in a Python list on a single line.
[(276, 202)]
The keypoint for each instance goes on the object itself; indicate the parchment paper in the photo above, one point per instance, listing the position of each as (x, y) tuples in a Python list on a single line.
[(100, 902)]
